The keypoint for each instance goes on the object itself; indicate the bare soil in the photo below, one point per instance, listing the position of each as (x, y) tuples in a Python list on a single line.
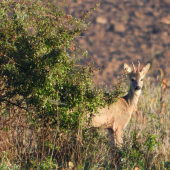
[(125, 31)]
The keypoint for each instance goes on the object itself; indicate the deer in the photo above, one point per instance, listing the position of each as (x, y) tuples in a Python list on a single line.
[(115, 117)]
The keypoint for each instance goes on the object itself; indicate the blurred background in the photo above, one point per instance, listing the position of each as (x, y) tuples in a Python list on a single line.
[(125, 31)]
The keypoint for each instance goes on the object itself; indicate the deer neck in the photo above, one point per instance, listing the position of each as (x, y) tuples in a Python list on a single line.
[(132, 98)]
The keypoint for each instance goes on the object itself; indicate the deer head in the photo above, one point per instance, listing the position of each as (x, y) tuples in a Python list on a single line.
[(136, 76)]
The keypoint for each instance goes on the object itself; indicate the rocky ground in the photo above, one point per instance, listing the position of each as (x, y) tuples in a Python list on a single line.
[(125, 31)]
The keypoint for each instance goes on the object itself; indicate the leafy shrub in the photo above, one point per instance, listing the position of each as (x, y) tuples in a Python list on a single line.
[(45, 95)]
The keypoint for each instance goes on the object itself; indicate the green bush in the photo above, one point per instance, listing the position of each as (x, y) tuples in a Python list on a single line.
[(44, 93), (38, 68)]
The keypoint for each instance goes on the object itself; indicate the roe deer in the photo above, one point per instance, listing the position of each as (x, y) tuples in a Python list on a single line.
[(116, 116)]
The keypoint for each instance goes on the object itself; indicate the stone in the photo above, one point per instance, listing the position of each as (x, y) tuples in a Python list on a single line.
[(119, 27), (101, 20)]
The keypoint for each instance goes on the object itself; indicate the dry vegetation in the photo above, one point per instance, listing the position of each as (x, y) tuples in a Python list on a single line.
[(146, 139)]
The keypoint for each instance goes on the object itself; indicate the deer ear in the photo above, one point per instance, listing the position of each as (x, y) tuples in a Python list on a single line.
[(145, 69), (127, 68)]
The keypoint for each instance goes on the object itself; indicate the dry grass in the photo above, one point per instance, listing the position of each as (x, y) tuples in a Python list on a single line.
[(146, 139)]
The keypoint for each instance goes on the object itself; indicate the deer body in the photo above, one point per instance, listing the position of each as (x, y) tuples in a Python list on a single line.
[(116, 116)]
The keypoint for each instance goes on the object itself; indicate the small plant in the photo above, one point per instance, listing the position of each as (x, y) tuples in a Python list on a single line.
[(6, 164)]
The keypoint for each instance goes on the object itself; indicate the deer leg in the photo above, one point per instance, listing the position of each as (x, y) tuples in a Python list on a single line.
[(111, 141), (119, 135), (111, 137)]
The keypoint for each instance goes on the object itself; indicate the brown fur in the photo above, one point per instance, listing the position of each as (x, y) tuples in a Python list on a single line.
[(117, 116)]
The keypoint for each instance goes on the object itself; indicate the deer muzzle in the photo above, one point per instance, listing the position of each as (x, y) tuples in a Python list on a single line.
[(137, 88)]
